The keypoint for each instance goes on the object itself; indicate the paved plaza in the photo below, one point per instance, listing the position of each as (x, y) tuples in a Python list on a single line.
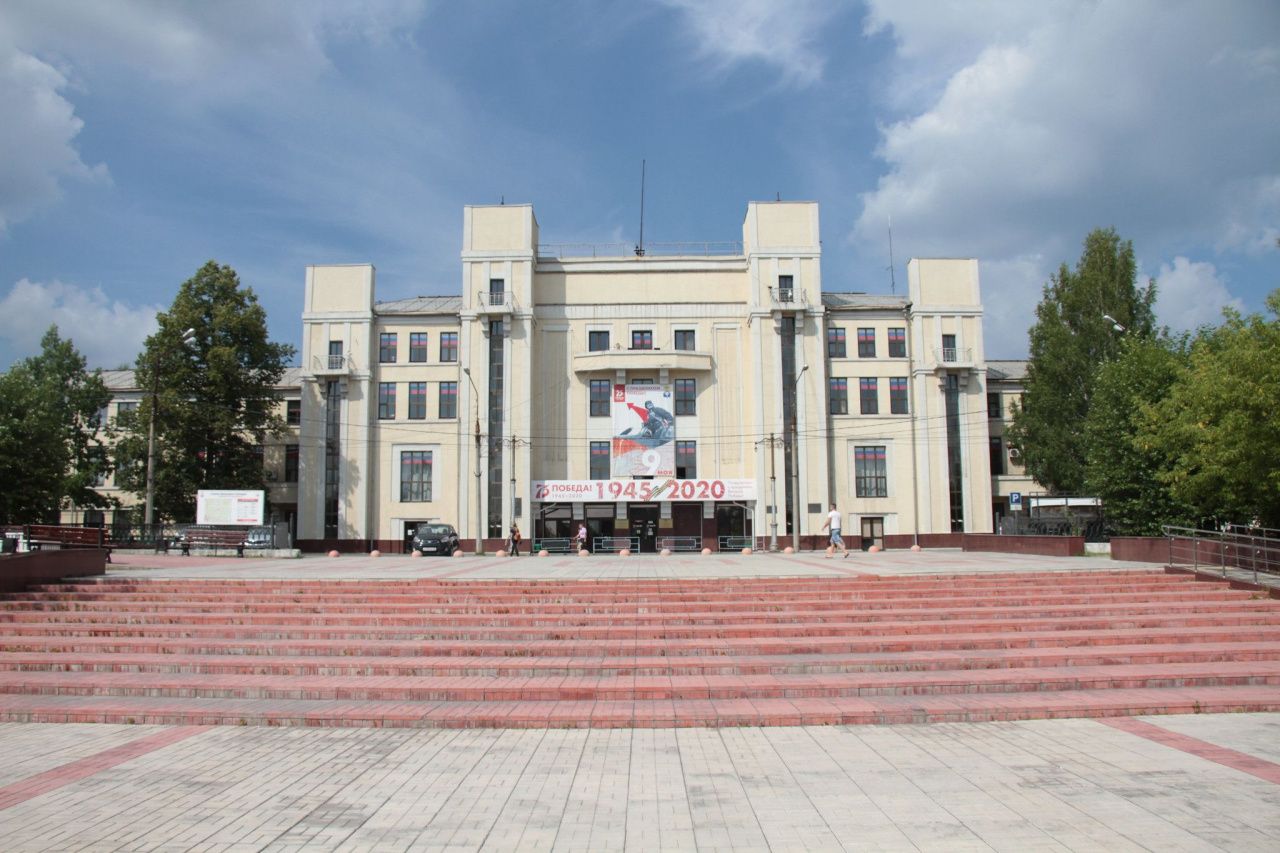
[(1198, 782)]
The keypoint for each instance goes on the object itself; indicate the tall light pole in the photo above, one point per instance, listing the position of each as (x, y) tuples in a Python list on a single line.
[(148, 511), (795, 460), (479, 524)]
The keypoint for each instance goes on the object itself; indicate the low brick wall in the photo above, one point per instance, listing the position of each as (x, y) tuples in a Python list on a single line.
[(18, 571), (1140, 549), (1044, 546), (927, 540)]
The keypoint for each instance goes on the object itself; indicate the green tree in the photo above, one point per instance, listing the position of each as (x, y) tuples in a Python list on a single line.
[(51, 452), (1068, 342), (1122, 465), (1219, 428), (213, 394)]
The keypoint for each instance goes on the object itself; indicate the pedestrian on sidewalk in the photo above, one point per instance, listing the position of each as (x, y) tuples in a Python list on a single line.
[(833, 521), (514, 541)]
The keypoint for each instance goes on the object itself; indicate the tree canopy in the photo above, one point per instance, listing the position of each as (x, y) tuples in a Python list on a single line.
[(214, 394), (1068, 341), (51, 452)]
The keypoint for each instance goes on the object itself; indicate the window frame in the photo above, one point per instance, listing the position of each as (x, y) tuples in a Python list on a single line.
[(866, 342), (689, 336), (598, 453), (868, 395), (686, 396), (837, 342), (406, 485), (898, 342), (838, 395), (447, 400), (598, 404), (592, 340), (386, 401), (687, 449), (899, 403), (871, 471), (292, 412), (388, 345), (417, 408), (646, 339), (418, 347), (292, 459), (448, 347)]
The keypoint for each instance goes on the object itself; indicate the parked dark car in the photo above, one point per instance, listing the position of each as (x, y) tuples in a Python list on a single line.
[(436, 539)]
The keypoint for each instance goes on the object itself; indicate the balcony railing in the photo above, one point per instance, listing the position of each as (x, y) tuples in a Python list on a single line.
[(788, 296), (495, 301), (332, 365), (953, 355)]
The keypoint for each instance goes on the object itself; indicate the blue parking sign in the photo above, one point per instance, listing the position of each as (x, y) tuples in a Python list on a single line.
[(1015, 500)]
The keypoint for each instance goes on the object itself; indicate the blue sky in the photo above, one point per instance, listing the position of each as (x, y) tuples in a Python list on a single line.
[(144, 137)]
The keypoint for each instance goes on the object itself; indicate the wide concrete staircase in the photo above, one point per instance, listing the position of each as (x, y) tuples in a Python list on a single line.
[(636, 652)]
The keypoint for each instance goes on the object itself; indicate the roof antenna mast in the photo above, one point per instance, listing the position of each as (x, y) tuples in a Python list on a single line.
[(893, 284), (640, 245)]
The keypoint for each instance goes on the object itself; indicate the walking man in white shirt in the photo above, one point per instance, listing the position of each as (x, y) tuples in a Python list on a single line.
[(833, 521)]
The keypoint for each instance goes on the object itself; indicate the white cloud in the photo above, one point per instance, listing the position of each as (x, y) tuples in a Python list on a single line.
[(36, 136), (108, 333), (1191, 294), (782, 35), (1022, 126)]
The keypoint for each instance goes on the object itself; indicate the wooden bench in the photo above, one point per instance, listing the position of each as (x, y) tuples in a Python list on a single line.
[(41, 536), (213, 538)]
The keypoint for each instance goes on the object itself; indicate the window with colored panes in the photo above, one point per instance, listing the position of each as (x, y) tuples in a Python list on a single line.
[(686, 396), (898, 396), (869, 396), (293, 412), (871, 478), (417, 401), (838, 395), (386, 401), (685, 339), (599, 462), (415, 475), (387, 348), (897, 343), (836, 342), (866, 343), (448, 400), (687, 460), (642, 338), (599, 398), (418, 347), (598, 341), (448, 346)]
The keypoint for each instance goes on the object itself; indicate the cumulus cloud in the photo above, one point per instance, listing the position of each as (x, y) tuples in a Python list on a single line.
[(1191, 294), (1019, 127), (779, 35), (37, 137), (108, 333)]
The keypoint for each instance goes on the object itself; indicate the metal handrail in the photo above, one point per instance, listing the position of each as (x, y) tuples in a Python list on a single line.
[(680, 543), (331, 362), (553, 546), (788, 296), (949, 355), (1223, 550), (495, 298), (735, 543), (605, 544)]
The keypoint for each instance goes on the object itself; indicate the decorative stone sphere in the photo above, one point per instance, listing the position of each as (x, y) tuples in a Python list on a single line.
[(666, 552), (375, 553), (544, 553), (874, 549), (458, 553), (625, 552), (788, 550), (333, 553), (746, 551), (915, 548), (583, 552), (706, 552), (416, 553), (501, 553)]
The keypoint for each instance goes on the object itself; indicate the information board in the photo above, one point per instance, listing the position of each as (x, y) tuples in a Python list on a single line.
[(230, 506)]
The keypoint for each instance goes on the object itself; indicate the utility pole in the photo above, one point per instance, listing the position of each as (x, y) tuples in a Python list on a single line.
[(478, 522), (513, 443), (772, 441)]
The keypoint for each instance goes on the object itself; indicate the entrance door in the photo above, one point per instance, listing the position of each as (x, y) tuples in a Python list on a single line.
[(872, 532), (643, 522), (410, 528)]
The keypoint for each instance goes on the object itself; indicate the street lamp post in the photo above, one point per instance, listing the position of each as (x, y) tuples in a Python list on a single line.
[(479, 525), (148, 511), (795, 460)]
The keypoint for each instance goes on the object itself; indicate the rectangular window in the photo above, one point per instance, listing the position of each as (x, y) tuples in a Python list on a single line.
[(685, 339), (871, 478), (125, 408), (448, 346), (599, 398), (415, 475), (948, 347), (386, 401), (448, 400), (293, 412), (417, 401), (642, 338), (993, 405), (897, 343), (418, 347), (598, 341), (687, 460), (599, 462), (686, 396), (497, 291), (836, 342), (997, 456), (898, 396), (838, 395), (869, 396), (786, 288), (335, 355), (866, 343), (387, 348), (291, 463)]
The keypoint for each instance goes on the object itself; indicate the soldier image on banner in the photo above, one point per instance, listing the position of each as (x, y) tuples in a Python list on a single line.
[(644, 432)]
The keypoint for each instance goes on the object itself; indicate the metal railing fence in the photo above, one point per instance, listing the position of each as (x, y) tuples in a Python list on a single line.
[(1252, 550)]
